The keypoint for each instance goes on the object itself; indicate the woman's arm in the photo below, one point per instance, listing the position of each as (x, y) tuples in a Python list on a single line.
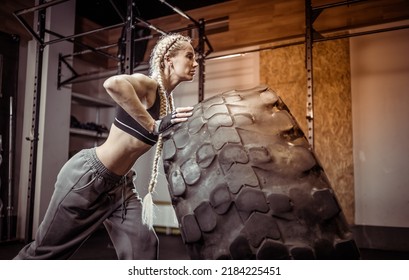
[(131, 92)]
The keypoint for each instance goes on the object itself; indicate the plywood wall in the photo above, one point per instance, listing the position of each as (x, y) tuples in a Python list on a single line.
[(283, 69)]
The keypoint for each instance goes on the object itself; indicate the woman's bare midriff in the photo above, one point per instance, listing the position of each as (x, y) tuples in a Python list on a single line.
[(120, 151)]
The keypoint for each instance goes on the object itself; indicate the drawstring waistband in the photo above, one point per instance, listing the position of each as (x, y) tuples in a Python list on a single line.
[(101, 169), (111, 177)]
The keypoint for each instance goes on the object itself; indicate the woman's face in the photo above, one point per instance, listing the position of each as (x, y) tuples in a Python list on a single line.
[(183, 64)]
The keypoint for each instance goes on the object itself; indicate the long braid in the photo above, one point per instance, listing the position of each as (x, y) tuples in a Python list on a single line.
[(167, 45), (159, 144)]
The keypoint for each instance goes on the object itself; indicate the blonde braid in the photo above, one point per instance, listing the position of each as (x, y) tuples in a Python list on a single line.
[(159, 144), (167, 45)]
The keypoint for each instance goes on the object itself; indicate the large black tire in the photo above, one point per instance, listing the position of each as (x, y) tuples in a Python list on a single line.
[(245, 184)]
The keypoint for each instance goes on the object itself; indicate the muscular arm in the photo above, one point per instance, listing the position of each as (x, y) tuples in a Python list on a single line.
[(129, 92)]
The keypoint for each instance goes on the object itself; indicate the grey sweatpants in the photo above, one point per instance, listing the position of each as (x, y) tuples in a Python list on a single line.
[(86, 196)]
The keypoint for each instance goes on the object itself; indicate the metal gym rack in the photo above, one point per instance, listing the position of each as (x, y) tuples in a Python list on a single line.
[(128, 62)]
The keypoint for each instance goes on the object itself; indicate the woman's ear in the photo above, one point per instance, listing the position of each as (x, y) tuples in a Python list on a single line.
[(168, 61)]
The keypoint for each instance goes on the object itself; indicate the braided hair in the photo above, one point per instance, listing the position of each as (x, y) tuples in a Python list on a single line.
[(167, 46)]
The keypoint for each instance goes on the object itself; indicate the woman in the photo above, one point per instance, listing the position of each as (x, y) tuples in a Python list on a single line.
[(95, 186)]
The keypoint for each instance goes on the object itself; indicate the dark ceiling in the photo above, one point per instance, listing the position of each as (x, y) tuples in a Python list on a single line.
[(103, 13)]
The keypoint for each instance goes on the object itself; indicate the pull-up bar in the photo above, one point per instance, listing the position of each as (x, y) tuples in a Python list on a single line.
[(178, 11)]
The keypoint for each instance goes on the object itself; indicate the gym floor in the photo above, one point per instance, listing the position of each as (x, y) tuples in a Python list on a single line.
[(171, 247)]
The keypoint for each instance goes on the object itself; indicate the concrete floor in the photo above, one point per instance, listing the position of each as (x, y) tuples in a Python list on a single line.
[(171, 247)]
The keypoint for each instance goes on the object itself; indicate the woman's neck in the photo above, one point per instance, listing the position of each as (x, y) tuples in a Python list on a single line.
[(169, 82)]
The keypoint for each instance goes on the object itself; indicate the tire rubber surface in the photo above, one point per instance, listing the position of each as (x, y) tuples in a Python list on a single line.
[(245, 183)]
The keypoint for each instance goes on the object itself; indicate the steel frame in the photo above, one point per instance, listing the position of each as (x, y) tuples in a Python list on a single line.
[(311, 36), (39, 35), (41, 8)]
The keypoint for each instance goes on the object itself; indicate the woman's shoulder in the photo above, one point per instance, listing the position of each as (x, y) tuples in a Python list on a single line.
[(143, 78), (149, 83), (147, 87)]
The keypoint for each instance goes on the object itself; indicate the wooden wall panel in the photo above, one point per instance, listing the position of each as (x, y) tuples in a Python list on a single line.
[(95, 40), (284, 71), (365, 13), (251, 22), (255, 22), (9, 24), (333, 118)]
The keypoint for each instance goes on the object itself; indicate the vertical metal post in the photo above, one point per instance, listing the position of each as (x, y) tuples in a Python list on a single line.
[(10, 172), (130, 37), (309, 68), (1, 201), (35, 124), (1, 148), (201, 58)]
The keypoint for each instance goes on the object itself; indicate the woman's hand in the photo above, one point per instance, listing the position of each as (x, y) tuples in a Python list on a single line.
[(181, 114)]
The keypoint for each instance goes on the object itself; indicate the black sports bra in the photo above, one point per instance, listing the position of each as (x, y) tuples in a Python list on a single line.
[(128, 124)]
